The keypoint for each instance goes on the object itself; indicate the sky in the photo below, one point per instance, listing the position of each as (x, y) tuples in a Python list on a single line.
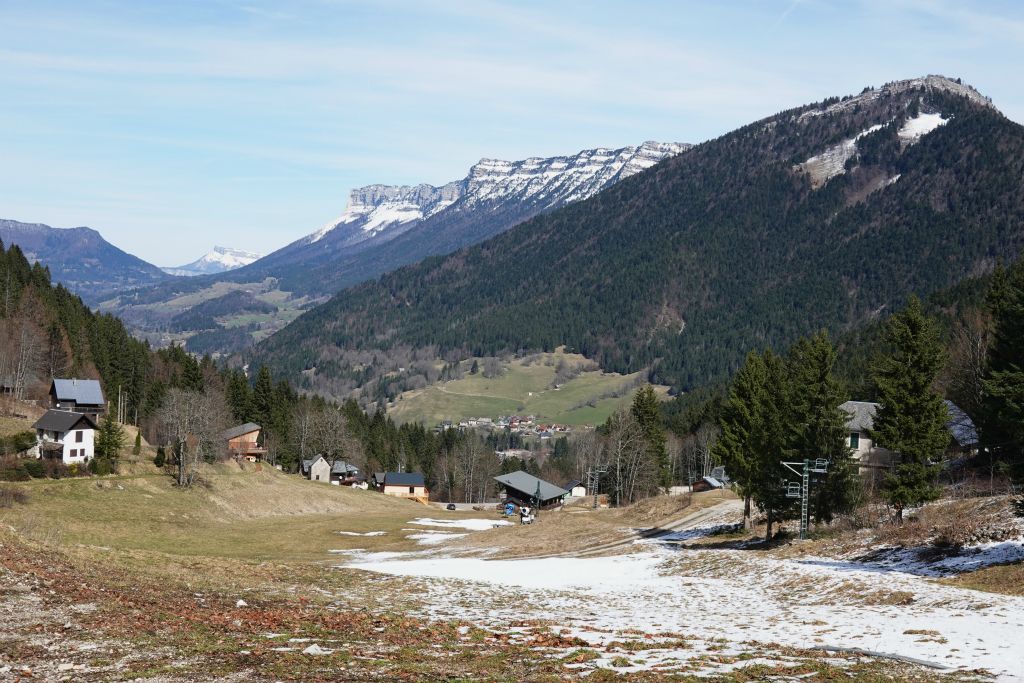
[(174, 126)]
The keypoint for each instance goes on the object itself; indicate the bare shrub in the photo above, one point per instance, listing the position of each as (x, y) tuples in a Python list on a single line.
[(10, 495)]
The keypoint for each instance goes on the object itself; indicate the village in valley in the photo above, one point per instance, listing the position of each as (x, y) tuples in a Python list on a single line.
[(552, 342)]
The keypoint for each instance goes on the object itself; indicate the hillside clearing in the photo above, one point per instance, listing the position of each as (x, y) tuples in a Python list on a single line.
[(526, 386)]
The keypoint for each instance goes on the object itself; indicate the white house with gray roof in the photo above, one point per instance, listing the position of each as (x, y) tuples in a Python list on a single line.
[(963, 434), (66, 436)]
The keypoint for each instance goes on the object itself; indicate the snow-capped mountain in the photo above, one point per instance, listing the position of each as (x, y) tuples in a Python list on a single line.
[(220, 260), (543, 183)]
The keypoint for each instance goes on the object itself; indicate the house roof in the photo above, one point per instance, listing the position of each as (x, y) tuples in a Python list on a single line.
[(235, 432), (862, 415), (961, 426), (81, 391), (713, 483), (62, 421), (573, 483), (342, 467), (527, 483), (403, 479)]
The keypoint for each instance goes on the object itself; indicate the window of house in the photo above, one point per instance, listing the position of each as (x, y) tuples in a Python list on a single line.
[(412, 489), (854, 439), (78, 436)]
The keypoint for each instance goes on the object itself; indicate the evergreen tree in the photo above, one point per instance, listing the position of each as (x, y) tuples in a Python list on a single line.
[(137, 448), (820, 425), (1003, 386), (263, 397), (110, 438), (772, 444), (911, 418), (647, 412), (161, 457), (740, 420)]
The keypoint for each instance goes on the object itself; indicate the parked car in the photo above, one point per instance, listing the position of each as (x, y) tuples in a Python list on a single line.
[(451, 506)]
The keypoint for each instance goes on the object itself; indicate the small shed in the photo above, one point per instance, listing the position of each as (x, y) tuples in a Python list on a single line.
[(576, 489), (707, 484), (523, 488)]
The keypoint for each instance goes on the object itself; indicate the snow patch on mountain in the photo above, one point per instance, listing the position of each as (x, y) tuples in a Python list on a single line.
[(545, 182), (919, 126), (220, 260), (832, 162)]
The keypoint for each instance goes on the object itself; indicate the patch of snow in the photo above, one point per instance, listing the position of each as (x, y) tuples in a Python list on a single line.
[(741, 597), (365, 533), (316, 650), (469, 524), (832, 162), (919, 126), (433, 537)]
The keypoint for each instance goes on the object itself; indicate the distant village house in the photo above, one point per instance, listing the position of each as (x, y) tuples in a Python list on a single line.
[(243, 442), (402, 485), (522, 488), (66, 436), (338, 472), (78, 396)]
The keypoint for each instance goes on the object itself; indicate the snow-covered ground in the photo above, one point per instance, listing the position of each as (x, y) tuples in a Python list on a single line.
[(694, 605)]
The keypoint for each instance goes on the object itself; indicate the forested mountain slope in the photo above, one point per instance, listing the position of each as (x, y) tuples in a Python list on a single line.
[(385, 227), (80, 259), (821, 216)]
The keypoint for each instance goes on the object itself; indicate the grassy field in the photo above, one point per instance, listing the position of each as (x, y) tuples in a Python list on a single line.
[(525, 387)]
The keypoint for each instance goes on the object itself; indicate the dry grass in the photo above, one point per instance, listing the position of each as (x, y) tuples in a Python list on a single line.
[(231, 513), (1007, 579), (580, 528)]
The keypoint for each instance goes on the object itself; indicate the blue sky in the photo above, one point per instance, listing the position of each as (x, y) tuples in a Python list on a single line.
[(171, 127)]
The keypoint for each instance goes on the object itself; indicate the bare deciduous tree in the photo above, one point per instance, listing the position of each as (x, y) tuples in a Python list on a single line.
[(191, 423)]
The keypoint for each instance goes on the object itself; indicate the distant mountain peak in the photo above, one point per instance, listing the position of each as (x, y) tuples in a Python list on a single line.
[(548, 181), (924, 83), (219, 260)]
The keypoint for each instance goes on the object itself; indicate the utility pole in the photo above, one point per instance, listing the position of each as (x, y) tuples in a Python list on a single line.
[(803, 489)]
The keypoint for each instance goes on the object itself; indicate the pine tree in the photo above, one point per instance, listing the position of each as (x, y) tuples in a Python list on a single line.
[(161, 457), (911, 417), (137, 448), (820, 425), (647, 412)]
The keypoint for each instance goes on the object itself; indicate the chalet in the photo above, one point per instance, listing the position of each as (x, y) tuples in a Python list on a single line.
[(78, 396), (706, 484), (243, 442), (66, 436), (963, 434), (402, 485), (522, 488), (576, 489), (339, 472)]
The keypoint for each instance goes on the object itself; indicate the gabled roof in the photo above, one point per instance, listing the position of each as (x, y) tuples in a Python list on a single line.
[(342, 467), (573, 483), (862, 415), (63, 421), (527, 484), (403, 479), (961, 426), (81, 391), (238, 431)]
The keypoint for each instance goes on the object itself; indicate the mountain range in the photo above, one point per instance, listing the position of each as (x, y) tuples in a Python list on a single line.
[(382, 228), (80, 259), (822, 216)]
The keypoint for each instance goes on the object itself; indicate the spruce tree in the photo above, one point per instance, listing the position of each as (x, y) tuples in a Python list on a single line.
[(647, 412), (772, 444), (137, 448), (1003, 386), (911, 417), (110, 438), (740, 420), (820, 426)]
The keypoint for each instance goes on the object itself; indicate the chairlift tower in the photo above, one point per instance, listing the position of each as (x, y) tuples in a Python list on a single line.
[(803, 489), (594, 480)]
